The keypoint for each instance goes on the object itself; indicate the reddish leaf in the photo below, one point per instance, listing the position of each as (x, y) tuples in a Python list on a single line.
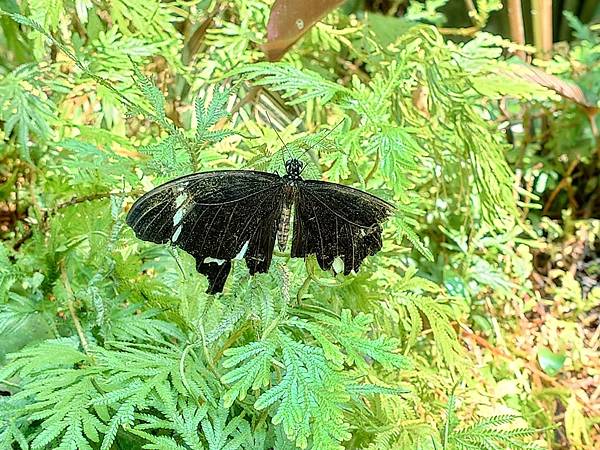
[(563, 88), (289, 20)]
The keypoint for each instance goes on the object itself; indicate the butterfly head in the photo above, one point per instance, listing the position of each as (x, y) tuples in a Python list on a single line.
[(293, 168)]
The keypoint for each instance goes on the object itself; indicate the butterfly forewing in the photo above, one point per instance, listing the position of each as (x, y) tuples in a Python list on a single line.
[(216, 217), (335, 220)]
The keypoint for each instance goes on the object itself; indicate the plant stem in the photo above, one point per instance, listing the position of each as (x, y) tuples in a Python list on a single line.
[(76, 322), (541, 14), (515, 23)]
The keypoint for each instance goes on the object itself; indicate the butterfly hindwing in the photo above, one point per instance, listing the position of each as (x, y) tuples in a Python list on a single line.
[(335, 220), (216, 217)]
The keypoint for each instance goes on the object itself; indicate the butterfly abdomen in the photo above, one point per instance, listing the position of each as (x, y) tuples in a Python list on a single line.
[(283, 228)]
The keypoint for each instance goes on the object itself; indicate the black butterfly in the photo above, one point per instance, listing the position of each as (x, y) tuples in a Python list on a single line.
[(233, 214)]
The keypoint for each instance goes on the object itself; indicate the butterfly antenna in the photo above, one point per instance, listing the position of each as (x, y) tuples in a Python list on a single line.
[(319, 141), (277, 133)]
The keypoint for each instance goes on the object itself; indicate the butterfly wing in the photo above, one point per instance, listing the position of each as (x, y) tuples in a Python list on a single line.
[(215, 217), (334, 220)]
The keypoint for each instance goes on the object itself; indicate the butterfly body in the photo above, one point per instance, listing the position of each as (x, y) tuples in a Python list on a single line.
[(293, 168), (224, 215)]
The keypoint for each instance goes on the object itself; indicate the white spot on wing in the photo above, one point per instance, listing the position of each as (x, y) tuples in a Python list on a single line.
[(178, 216), (180, 199), (338, 265), (177, 233), (208, 259), (242, 251)]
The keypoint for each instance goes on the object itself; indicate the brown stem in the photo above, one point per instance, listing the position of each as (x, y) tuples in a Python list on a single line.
[(374, 169), (465, 32), (515, 23), (562, 184), (541, 13), (473, 13)]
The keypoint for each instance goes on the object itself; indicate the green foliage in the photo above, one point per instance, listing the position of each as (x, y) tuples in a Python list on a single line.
[(25, 108), (109, 342), (484, 434)]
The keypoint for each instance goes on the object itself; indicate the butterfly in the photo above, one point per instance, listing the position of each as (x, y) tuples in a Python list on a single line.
[(227, 215)]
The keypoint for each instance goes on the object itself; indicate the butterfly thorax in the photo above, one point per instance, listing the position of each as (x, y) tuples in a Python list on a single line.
[(293, 169)]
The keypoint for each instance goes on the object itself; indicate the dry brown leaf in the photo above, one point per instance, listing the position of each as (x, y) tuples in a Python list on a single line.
[(563, 88), (289, 20)]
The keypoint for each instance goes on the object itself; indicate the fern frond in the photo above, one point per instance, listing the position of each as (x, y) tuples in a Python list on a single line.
[(25, 108), (350, 333), (372, 389), (308, 397), (296, 85), (253, 371), (208, 116), (222, 434)]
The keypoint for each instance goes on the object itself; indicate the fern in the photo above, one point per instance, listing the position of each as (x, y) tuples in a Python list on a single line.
[(485, 434), (57, 394), (292, 358), (14, 425), (87, 167), (307, 400), (26, 108), (253, 372), (85, 401), (223, 435), (297, 85), (209, 116), (353, 345)]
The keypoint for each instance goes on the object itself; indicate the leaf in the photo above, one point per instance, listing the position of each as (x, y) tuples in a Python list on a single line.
[(575, 427), (297, 85), (550, 362), (25, 107), (289, 20), (564, 88), (253, 371), (209, 116)]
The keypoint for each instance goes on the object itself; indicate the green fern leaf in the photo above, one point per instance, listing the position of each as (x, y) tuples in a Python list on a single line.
[(297, 85)]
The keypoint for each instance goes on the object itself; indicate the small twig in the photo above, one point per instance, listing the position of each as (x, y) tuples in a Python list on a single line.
[(473, 13), (207, 356), (184, 379), (76, 200), (76, 322), (250, 97), (465, 32), (564, 182), (374, 169), (230, 341)]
